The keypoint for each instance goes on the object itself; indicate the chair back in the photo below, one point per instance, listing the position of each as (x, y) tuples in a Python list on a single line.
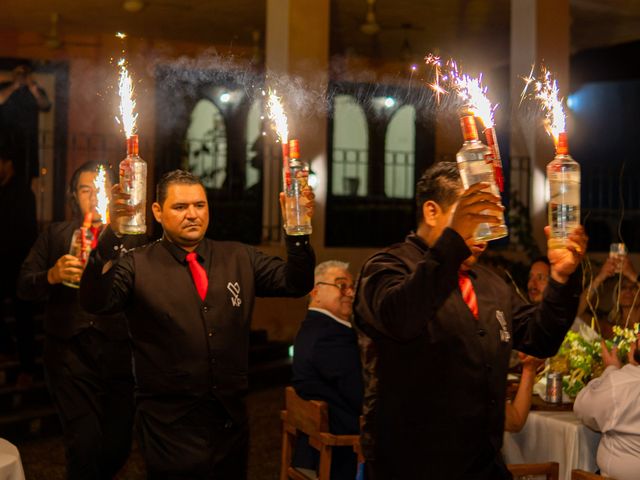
[(550, 469), (584, 475), (310, 417)]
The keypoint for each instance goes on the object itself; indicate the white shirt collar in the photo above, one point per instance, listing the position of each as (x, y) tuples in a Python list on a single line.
[(329, 314)]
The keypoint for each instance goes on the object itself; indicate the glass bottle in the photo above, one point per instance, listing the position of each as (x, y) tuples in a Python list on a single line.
[(80, 247), (475, 165), (563, 173), (133, 181), (296, 178)]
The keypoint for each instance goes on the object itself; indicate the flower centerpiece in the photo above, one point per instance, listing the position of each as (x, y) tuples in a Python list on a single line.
[(580, 355)]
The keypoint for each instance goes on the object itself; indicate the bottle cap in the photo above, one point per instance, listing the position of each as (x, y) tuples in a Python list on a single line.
[(88, 219), (563, 144), (132, 145), (469, 129), (294, 148)]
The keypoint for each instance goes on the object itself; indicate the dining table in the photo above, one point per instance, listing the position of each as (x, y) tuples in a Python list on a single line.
[(10, 463), (553, 435)]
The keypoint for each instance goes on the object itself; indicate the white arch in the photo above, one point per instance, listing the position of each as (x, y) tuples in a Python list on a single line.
[(350, 147), (206, 143), (399, 155)]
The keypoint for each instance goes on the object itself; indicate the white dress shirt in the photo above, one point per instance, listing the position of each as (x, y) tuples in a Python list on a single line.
[(611, 404)]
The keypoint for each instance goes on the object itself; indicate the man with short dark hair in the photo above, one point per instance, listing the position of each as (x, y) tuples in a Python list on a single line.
[(436, 331), (538, 279), (326, 365), (87, 358), (189, 302)]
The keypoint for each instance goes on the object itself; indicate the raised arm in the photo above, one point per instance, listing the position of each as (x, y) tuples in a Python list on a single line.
[(276, 277), (539, 330), (108, 278), (390, 294)]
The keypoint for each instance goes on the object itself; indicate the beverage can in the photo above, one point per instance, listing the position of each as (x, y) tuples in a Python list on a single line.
[(554, 388)]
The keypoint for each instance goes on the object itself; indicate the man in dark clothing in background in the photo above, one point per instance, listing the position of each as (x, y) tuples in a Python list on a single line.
[(189, 302), (87, 358), (326, 365), (436, 332), (21, 100), (18, 220)]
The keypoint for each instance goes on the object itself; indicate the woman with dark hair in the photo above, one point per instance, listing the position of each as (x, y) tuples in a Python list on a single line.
[(87, 358)]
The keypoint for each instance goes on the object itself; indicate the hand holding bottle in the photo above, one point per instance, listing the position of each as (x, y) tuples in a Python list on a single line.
[(120, 211), (309, 203), (565, 260), (66, 269), (475, 206)]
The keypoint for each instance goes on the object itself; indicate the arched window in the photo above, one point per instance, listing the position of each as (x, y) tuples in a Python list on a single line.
[(254, 144), (350, 148), (207, 144), (399, 157)]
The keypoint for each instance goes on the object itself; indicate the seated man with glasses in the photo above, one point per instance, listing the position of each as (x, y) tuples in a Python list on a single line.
[(326, 365)]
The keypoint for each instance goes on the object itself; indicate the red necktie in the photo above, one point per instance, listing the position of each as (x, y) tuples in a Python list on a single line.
[(198, 274), (468, 293), (96, 233)]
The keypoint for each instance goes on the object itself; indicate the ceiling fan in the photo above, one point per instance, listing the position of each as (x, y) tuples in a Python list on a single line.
[(372, 29), (135, 6), (53, 41)]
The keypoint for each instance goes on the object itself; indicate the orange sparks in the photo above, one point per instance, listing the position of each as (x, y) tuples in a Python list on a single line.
[(548, 94), (127, 103), (437, 65), (100, 183), (276, 114)]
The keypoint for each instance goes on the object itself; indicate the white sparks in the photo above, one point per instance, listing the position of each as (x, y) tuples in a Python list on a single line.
[(127, 103), (277, 115), (100, 183)]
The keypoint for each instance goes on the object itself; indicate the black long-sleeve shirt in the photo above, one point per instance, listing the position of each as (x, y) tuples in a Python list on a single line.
[(435, 377), (64, 317), (183, 347)]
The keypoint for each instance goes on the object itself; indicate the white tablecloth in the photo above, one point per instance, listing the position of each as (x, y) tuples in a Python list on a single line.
[(10, 464), (553, 437)]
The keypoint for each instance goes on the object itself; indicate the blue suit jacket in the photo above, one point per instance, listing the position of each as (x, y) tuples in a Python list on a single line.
[(326, 366)]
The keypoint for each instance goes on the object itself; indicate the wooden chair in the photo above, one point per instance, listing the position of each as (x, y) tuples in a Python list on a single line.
[(550, 469), (312, 418), (583, 475)]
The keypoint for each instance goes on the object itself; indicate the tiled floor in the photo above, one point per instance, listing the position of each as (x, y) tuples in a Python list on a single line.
[(44, 459)]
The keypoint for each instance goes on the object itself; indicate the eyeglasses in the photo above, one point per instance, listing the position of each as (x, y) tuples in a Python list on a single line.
[(343, 287)]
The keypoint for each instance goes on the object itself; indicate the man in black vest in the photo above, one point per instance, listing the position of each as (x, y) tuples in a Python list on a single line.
[(87, 358), (189, 302), (437, 330)]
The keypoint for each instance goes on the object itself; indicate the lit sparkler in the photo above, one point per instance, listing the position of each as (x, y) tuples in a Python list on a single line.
[(546, 91), (276, 114), (100, 184), (121, 35), (474, 95), (127, 103)]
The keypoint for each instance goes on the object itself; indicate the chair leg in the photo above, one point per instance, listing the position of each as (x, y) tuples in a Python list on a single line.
[(324, 471), (287, 447)]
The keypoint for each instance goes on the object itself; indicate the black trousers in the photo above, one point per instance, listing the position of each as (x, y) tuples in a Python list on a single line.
[(24, 323), (204, 443), (90, 380)]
